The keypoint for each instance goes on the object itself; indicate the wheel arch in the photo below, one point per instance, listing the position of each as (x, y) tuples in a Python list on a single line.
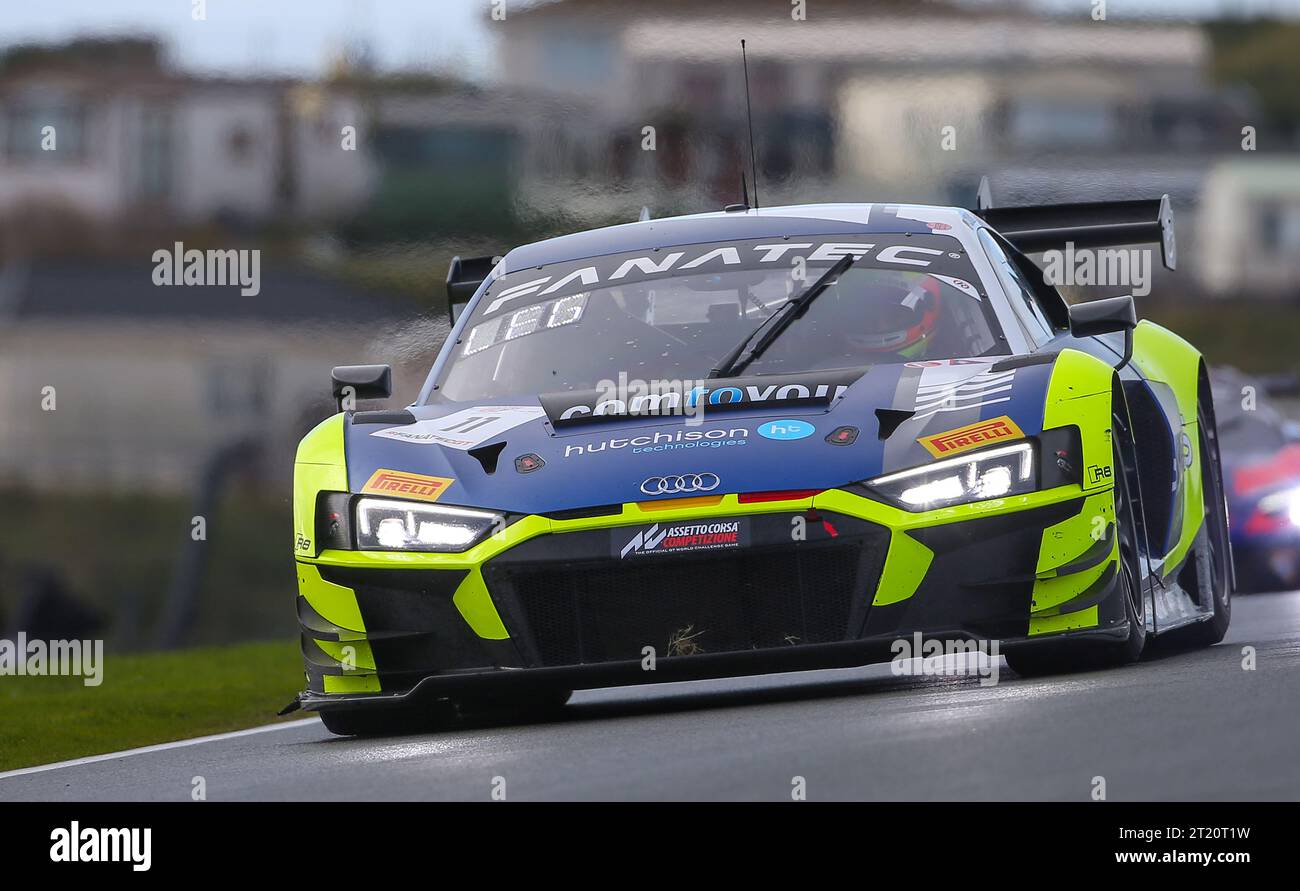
[(1162, 356), (1205, 402), (1126, 440)]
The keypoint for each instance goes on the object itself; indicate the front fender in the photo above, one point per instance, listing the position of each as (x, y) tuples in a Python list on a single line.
[(1168, 361), (1080, 393), (1161, 355), (319, 466)]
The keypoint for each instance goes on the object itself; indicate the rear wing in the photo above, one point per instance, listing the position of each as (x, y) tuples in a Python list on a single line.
[(1090, 224), (463, 279)]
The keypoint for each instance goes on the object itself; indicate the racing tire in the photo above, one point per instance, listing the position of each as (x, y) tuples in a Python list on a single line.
[(1210, 631), (1088, 655)]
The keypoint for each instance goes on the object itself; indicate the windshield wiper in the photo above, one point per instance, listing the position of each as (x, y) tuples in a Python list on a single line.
[(738, 359)]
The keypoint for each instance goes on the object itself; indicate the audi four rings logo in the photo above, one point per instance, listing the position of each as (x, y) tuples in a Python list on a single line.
[(686, 482)]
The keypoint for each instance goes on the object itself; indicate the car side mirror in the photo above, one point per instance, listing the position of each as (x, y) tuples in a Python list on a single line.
[(361, 382), (464, 276), (1108, 316)]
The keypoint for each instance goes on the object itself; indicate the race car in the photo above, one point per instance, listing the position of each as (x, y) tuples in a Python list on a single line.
[(1261, 471), (761, 440)]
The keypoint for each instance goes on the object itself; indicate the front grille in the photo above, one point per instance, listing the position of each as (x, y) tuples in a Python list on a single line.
[(603, 611)]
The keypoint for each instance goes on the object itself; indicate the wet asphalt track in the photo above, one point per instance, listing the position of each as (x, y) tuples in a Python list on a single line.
[(1183, 725)]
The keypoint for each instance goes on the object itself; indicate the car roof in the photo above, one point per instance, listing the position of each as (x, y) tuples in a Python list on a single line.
[(765, 222)]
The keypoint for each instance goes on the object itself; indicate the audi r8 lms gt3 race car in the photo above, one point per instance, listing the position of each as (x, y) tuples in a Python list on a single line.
[(755, 441)]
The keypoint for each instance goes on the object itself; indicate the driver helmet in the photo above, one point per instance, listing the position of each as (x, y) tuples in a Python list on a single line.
[(896, 314)]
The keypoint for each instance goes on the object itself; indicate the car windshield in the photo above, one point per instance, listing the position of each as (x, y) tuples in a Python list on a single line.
[(675, 313)]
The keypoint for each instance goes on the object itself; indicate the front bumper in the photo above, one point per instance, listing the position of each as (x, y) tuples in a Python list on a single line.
[(822, 582)]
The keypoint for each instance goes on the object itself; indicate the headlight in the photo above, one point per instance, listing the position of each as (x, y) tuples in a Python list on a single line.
[(995, 473), (1286, 502), (385, 524)]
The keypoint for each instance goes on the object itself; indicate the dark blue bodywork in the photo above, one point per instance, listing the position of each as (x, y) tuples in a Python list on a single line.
[(745, 460)]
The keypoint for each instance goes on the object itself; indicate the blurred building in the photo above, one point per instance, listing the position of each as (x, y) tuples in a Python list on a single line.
[(457, 159), (150, 383), (1250, 229), (104, 131), (852, 104), (854, 101)]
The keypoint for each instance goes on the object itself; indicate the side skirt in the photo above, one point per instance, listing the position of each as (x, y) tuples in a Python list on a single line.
[(1175, 607)]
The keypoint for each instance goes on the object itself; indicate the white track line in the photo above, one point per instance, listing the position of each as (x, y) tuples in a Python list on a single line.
[(160, 747)]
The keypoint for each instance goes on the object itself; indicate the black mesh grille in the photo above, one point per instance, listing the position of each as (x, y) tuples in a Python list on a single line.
[(604, 611), (1156, 459)]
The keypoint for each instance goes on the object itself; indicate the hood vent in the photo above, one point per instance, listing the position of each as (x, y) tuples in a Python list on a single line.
[(487, 456), (890, 419)]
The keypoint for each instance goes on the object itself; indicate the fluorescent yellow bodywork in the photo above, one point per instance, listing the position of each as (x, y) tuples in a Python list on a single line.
[(1062, 544), (476, 608), (335, 604), (905, 564), (1079, 394), (356, 653), (1163, 356), (318, 467), (354, 682)]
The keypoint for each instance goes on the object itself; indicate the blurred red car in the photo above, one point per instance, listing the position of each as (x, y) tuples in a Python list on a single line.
[(1261, 469)]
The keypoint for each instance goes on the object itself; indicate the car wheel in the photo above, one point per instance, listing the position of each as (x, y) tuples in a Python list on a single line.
[(1086, 655), (1212, 630)]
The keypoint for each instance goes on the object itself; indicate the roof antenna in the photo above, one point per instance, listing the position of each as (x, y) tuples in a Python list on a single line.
[(744, 196), (749, 113)]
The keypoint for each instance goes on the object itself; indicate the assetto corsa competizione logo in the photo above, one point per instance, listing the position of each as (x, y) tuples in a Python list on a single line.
[(684, 537)]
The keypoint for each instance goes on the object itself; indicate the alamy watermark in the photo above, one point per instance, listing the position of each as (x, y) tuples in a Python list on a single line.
[(632, 396), (1112, 267), (88, 844), (69, 658), (932, 657), (195, 268)]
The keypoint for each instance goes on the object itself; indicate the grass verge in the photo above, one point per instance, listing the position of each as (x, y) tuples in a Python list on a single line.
[(144, 699)]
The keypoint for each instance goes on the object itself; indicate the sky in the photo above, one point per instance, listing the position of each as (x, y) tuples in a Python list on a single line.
[(272, 36), (301, 37)]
